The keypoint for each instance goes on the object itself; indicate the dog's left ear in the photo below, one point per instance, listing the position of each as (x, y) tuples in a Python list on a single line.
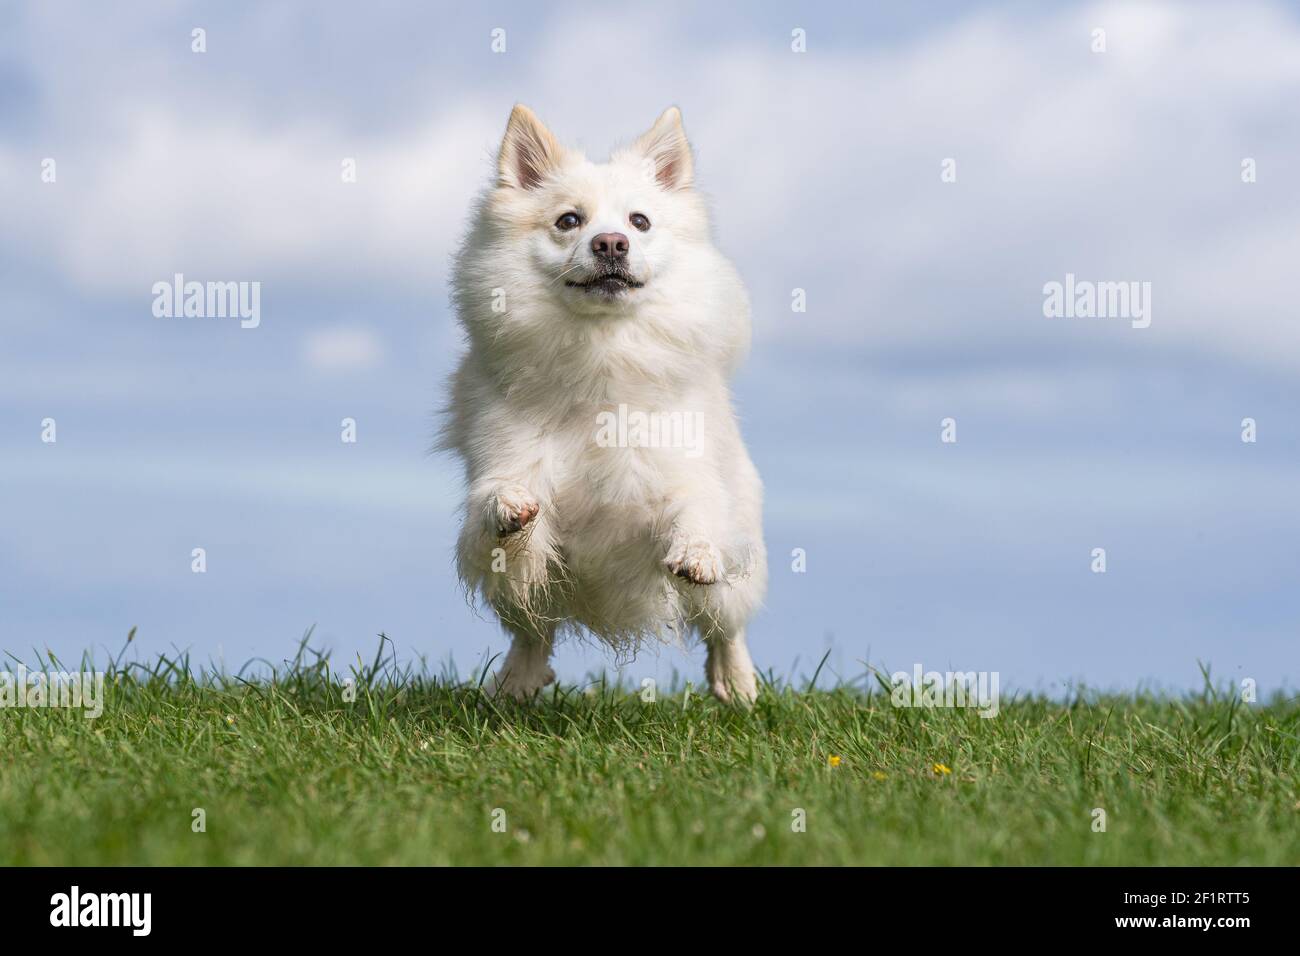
[(666, 147)]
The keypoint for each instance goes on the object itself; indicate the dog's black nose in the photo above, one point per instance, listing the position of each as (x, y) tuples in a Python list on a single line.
[(610, 245)]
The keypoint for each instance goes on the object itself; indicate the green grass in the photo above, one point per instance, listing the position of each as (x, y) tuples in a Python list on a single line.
[(288, 772)]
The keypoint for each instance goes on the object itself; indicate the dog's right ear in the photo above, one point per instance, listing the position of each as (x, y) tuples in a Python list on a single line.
[(529, 153)]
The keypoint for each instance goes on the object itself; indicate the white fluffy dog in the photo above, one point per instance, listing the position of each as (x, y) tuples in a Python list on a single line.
[(608, 485)]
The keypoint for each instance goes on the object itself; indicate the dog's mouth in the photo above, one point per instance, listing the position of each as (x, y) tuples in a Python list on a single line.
[(611, 284)]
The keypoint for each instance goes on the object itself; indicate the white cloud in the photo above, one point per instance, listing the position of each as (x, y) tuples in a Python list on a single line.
[(1123, 165), (342, 349), (824, 168), (221, 200)]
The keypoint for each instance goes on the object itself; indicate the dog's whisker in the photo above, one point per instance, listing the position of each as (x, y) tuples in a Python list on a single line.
[(572, 268)]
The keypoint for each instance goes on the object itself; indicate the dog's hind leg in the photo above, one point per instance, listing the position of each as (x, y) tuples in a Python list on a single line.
[(728, 668), (526, 669)]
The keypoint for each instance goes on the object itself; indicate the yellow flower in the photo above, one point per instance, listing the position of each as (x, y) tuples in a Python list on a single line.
[(941, 769), (877, 775), (834, 761)]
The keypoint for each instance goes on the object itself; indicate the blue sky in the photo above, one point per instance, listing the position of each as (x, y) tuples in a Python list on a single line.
[(823, 170)]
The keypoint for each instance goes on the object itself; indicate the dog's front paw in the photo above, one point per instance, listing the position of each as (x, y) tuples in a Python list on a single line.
[(694, 559), (511, 509)]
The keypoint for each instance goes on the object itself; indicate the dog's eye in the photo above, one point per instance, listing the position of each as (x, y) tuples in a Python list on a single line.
[(639, 221), (570, 220)]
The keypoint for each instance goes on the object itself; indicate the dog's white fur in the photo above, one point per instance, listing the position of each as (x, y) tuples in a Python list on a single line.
[(561, 533)]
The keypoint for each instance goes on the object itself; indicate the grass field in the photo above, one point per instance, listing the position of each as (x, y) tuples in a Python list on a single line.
[(412, 771)]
